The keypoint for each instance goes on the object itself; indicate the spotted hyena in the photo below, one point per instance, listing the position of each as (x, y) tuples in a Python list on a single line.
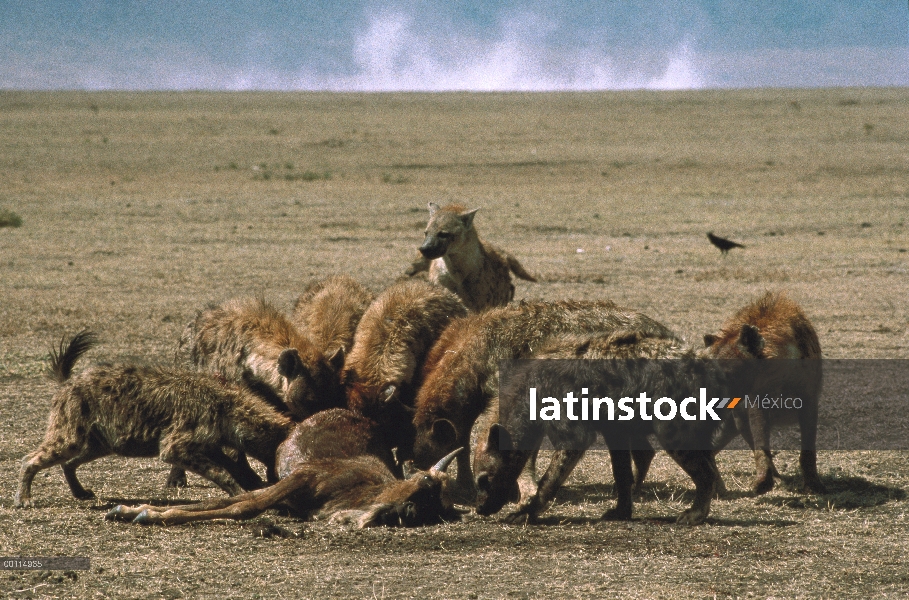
[(477, 271), (190, 420), (328, 312), (460, 375), (775, 327), (502, 452), (249, 339), (390, 345)]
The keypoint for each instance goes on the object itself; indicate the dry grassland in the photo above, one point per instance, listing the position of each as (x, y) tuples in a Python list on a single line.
[(138, 209)]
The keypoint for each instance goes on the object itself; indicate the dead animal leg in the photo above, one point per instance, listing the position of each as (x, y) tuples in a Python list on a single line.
[(244, 506)]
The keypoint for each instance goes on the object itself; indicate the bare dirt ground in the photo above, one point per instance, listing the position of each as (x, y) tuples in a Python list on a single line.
[(138, 209)]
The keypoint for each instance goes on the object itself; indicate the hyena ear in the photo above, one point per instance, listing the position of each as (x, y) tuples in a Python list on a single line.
[(444, 432), (289, 364), (433, 207), (499, 438), (467, 217), (336, 360), (751, 340), (710, 339)]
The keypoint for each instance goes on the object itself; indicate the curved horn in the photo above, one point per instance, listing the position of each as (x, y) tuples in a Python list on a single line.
[(443, 464), (389, 392)]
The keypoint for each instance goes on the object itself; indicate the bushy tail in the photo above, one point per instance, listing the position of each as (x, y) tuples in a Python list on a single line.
[(419, 265), (65, 356), (518, 269)]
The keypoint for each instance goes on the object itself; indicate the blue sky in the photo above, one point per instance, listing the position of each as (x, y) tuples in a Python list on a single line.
[(443, 45)]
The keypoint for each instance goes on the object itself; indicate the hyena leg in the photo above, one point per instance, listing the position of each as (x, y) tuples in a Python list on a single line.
[(91, 451), (808, 456), (527, 480), (245, 506), (197, 458), (239, 469), (176, 478), (760, 443), (623, 477), (50, 453), (728, 432), (560, 467), (701, 468), (642, 455)]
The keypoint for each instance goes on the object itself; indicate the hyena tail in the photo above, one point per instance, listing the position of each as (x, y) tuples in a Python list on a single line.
[(518, 269), (65, 356)]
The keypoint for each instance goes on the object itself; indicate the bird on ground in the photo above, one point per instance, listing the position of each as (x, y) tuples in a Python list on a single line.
[(722, 243)]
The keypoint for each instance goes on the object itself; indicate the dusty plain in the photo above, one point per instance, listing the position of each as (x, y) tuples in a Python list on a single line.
[(138, 209)]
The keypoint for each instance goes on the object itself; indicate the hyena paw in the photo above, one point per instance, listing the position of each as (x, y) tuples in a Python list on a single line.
[(617, 514), (762, 485), (84, 494), (176, 481), (692, 516), (526, 513), (519, 517), (813, 485)]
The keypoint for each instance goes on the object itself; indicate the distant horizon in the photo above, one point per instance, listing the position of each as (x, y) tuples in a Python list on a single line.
[(433, 46), (447, 92)]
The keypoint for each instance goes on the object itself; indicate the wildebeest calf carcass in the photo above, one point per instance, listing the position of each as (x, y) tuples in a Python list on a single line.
[(335, 465)]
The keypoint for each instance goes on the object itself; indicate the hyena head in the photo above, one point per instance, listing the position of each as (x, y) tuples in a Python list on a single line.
[(773, 326), (497, 465), (747, 342), (310, 388), (447, 229)]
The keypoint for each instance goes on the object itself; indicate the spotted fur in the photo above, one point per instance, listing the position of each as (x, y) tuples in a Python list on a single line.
[(477, 271)]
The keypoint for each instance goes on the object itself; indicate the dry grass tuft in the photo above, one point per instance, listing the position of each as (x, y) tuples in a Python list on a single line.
[(9, 219)]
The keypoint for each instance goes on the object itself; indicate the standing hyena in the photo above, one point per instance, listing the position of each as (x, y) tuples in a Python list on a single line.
[(460, 376), (328, 312), (187, 419), (614, 366), (477, 271), (774, 327)]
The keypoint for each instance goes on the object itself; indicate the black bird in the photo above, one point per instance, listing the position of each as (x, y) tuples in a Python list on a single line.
[(723, 244)]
